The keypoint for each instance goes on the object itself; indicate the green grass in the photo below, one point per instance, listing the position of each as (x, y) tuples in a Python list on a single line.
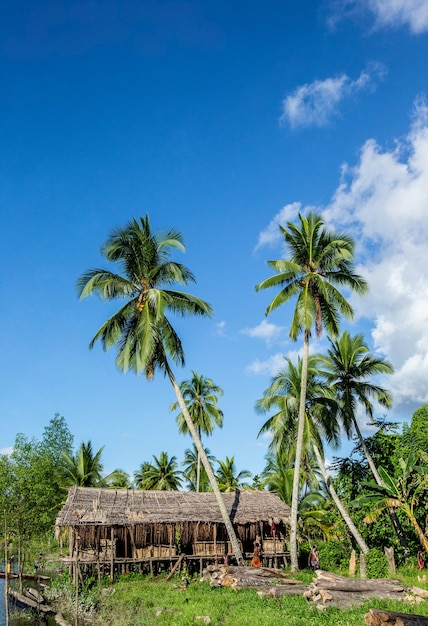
[(148, 602)]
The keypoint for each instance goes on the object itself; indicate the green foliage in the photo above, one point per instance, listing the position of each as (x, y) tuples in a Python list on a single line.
[(228, 477), (334, 554), (84, 467), (376, 564), (31, 482), (415, 437), (162, 475)]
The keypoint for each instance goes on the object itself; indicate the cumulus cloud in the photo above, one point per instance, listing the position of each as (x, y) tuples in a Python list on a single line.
[(271, 235), (315, 104), (265, 330), (270, 366), (396, 13), (383, 201), (6, 451)]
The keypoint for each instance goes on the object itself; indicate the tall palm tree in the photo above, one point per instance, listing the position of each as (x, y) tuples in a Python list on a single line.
[(320, 262), (140, 330), (229, 479), (201, 397), (348, 367), (190, 471), (284, 396), (162, 475), (84, 468)]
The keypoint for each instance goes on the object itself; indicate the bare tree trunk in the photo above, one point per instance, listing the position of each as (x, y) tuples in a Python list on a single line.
[(299, 446), (226, 519), (344, 513)]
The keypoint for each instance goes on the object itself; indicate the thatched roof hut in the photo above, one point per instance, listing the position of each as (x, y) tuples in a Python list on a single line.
[(141, 520)]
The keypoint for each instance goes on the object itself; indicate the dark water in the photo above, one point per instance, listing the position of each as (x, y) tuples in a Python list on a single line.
[(19, 617)]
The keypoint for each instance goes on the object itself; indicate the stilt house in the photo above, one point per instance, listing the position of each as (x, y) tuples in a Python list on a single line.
[(113, 527)]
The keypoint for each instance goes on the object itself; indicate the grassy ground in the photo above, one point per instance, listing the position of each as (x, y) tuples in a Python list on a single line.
[(149, 602)]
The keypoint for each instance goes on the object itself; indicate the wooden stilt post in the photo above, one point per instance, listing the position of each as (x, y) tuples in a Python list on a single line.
[(112, 554)]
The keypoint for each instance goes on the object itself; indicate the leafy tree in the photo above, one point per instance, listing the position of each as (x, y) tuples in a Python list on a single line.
[(201, 397), (84, 468), (402, 493), (141, 331), (415, 437), (162, 475), (190, 472), (228, 477), (31, 490), (320, 261)]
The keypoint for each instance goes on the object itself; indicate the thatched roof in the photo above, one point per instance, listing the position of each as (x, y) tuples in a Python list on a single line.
[(124, 507)]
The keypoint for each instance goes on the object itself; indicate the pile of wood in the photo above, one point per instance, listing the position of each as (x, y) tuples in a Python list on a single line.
[(326, 589), (238, 576), (377, 617), (334, 590)]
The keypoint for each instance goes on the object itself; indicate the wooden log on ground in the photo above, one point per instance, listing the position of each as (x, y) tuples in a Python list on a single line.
[(352, 585), (239, 576), (352, 598), (378, 617), (287, 590)]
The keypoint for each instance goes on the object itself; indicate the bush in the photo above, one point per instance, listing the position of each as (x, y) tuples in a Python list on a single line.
[(376, 564), (334, 555)]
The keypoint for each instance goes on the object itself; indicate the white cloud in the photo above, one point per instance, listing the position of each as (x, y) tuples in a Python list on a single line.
[(412, 14), (221, 328), (265, 330), (271, 235), (6, 451), (315, 104), (269, 367), (396, 13), (383, 202)]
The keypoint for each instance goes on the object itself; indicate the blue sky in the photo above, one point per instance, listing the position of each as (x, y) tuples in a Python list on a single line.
[(220, 119)]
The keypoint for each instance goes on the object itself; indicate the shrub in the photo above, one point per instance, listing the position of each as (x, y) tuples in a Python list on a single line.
[(376, 564)]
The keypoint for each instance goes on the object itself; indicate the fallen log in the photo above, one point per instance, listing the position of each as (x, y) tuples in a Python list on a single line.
[(378, 617), (239, 576), (351, 585), (286, 590)]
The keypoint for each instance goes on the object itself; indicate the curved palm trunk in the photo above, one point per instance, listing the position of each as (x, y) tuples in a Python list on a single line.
[(344, 513), (393, 515), (299, 446), (418, 529), (207, 466)]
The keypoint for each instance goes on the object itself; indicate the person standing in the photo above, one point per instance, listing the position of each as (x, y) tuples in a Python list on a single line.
[(313, 559)]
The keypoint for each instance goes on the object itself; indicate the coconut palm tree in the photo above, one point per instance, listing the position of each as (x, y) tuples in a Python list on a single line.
[(201, 397), (229, 479), (162, 475), (348, 367), (283, 396), (117, 479), (140, 330), (320, 262), (84, 468), (190, 471)]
